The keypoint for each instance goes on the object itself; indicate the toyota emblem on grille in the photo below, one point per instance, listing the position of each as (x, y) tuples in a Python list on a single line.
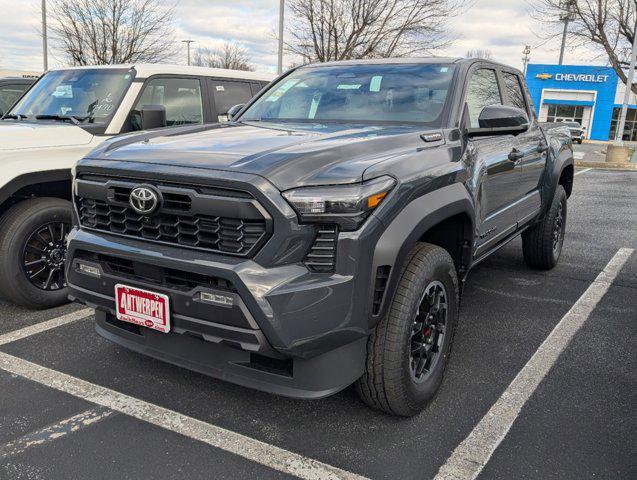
[(144, 200)]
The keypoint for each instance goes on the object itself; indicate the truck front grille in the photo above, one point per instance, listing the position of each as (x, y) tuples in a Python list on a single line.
[(187, 218)]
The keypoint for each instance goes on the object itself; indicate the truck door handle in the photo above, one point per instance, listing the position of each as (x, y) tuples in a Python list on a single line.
[(515, 155), (542, 147)]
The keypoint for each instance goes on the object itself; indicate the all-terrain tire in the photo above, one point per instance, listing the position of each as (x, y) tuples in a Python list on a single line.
[(17, 225), (542, 243), (388, 383)]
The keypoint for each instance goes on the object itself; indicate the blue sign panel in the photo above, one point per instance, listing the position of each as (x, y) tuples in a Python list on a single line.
[(602, 80)]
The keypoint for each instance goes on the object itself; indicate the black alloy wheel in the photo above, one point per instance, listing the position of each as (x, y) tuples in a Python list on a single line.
[(558, 230), (428, 334), (44, 256)]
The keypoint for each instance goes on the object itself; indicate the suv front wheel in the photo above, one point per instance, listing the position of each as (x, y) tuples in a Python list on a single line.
[(408, 351), (33, 250)]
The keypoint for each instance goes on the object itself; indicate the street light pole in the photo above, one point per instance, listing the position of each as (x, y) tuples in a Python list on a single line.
[(188, 42), (525, 60), (619, 132), (566, 17), (45, 50), (281, 20)]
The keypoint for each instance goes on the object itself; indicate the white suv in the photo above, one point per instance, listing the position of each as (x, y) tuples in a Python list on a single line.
[(65, 115)]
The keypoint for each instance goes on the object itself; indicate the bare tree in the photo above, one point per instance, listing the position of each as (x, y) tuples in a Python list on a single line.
[(324, 30), (98, 32), (608, 26), (229, 55), (480, 53)]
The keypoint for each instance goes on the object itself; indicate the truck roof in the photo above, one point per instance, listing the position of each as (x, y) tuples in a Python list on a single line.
[(145, 70), (411, 60)]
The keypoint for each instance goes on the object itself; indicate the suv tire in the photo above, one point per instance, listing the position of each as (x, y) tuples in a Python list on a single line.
[(34, 232), (391, 382), (542, 243)]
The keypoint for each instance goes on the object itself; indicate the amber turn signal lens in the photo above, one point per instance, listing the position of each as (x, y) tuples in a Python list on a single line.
[(374, 200)]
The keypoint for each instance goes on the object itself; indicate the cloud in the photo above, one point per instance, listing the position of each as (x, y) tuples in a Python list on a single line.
[(503, 27)]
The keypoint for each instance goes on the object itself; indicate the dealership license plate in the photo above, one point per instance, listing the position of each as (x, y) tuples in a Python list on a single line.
[(142, 307)]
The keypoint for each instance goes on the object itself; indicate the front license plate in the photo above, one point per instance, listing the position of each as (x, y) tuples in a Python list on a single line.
[(141, 307)]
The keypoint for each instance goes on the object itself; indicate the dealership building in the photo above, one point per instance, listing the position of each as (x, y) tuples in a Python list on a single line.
[(589, 95)]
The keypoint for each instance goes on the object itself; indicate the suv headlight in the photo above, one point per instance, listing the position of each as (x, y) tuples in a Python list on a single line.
[(346, 205)]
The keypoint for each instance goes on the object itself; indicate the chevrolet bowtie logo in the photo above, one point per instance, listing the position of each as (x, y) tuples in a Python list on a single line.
[(544, 76)]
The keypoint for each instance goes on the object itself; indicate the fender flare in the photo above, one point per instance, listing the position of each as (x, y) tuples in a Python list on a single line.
[(33, 178), (404, 231)]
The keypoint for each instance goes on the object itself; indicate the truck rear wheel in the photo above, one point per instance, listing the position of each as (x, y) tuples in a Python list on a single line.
[(32, 252), (408, 351), (542, 243)]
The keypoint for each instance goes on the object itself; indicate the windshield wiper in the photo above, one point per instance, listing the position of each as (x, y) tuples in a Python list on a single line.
[(70, 118), (14, 116)]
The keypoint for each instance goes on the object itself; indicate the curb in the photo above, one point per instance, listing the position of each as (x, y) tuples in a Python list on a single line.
[(607, 165)]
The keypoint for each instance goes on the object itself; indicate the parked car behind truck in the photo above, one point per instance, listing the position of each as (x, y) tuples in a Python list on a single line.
[(11, 89), (66, 114), (322, 237)]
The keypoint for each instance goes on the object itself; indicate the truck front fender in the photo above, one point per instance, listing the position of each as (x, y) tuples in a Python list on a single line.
[(412, 223)]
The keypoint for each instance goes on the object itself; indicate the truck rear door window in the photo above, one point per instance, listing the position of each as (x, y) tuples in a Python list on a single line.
[(514, 90), (227, 94)]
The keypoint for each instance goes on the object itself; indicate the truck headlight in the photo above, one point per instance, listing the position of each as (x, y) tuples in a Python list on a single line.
[(346, 205)]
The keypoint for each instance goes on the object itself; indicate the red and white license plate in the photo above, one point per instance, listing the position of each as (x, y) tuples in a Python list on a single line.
[(141, 307)]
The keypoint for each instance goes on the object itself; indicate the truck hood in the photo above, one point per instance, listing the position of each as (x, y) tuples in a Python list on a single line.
[(286, 155), (19, 135)]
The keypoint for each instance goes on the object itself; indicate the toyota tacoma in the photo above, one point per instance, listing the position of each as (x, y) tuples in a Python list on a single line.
[(321, 237)]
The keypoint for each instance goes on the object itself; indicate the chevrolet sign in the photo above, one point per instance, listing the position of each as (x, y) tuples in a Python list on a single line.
[(573, 77)]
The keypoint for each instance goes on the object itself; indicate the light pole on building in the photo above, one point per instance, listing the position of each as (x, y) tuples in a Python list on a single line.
[(619, 132), (188, 42), (281, 19), (45, 50)]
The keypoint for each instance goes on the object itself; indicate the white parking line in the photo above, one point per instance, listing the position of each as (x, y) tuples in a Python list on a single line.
[(469, 458), (55, 431), (583, 171), (47, 325), (246, 447)]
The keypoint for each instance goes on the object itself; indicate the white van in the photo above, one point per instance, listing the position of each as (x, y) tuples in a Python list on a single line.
[(62, 117)]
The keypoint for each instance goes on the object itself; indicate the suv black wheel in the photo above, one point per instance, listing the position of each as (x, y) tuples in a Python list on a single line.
[(32, 252), (408, 351), (542, 243)]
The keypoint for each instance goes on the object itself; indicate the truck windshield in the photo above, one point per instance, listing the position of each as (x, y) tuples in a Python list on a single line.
[(90, 95), (368, 93)]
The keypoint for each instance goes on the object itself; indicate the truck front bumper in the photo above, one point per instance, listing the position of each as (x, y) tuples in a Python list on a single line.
[(285, 330)]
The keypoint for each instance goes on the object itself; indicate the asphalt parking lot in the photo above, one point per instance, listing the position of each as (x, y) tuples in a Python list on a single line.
[(580, 421)]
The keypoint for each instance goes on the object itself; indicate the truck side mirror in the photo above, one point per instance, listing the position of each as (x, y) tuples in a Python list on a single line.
[(232, 111), (500, 120), (153, 116)]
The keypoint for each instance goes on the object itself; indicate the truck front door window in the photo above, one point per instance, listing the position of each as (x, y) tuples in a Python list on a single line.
[(482, 91), (180, 96)]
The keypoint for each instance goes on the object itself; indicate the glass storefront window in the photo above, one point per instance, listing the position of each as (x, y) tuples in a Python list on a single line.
[(565, 113), (630, 127)]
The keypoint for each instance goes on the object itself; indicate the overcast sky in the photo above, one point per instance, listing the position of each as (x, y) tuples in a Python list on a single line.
[(501, 26)]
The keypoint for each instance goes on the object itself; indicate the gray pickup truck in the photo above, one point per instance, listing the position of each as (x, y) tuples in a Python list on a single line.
[(322, 237)]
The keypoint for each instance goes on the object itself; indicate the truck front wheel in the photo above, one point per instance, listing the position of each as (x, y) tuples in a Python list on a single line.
[(32, 252), (408, 351)]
